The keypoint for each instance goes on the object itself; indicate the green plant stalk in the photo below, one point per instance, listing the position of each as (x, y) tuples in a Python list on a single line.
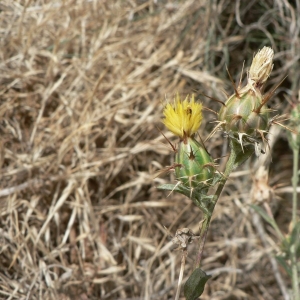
[(295, 181), (207, 218), (278, 231), (295, 279)]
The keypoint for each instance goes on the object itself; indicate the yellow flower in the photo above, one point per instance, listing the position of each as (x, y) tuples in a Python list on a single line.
[(183, 118)]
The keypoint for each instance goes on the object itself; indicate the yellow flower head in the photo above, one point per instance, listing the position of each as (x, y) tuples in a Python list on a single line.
[(183, 118)]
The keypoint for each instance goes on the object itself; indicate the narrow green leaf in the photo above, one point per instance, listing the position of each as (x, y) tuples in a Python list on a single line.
[(295, 238), (194, 286), (261, 212), (295, 235), (272, 222), (166, 187), (284, 264), (217, 178), (206, 203), (175, 188), (243, 154), (198, 195)]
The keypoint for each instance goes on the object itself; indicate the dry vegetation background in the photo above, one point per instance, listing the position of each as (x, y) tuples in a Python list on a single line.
[(81, 90)]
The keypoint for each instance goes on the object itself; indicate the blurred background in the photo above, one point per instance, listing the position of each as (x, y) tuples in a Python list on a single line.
[(82, 88)]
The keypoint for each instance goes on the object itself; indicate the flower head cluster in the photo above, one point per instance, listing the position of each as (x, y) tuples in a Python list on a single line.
[(183, 118)]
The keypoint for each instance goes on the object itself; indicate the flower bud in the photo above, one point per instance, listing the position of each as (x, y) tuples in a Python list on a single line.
[(194, 164), (245, 113)]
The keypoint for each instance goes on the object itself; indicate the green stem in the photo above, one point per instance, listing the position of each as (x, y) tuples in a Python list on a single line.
[(295, 280), (207, 218), (295, 183), (203, 234)]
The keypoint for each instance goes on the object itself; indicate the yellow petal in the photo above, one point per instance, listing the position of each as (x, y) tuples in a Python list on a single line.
[(183, 118)]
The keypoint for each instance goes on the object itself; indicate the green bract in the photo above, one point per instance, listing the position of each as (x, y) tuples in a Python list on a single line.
[(195, 166), (244, 113)]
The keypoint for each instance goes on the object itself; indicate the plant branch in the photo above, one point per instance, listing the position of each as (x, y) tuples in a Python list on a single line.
[(295, 279), (231, 164), (295, 183)]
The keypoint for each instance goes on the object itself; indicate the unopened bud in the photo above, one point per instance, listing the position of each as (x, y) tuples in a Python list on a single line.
[(245, 113)]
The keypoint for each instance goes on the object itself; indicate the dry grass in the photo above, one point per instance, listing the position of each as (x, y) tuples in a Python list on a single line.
[(81, 87)]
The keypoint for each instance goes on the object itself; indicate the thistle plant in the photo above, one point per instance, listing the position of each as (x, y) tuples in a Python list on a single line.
[(245, 120)]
